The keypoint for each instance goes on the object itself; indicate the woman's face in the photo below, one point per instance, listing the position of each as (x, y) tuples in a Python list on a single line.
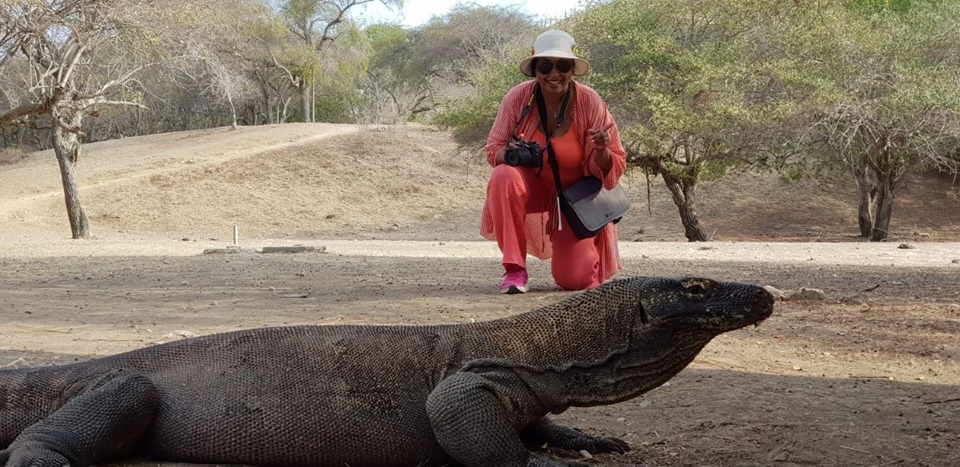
[(553, 74)]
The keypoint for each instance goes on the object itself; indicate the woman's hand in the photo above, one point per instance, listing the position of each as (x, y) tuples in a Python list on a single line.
[(501, 154), (601, 138)]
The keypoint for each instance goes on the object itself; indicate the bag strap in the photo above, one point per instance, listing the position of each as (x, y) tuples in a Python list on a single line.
[(551, 155)]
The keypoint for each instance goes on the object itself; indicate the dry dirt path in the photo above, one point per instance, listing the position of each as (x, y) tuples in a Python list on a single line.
[(919, 254)]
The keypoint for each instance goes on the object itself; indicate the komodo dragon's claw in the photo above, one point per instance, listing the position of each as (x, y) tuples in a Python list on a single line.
[(616, 445), (597, 444), (575, 440)]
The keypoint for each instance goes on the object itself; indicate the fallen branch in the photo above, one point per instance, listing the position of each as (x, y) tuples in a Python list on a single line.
[(855, 449), (944, 401)]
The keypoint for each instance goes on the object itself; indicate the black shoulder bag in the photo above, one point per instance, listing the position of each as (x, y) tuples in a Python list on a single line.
[(586, 204)]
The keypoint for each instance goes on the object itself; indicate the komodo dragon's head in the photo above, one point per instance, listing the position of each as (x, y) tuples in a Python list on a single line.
[(702, 307), (621, 339)]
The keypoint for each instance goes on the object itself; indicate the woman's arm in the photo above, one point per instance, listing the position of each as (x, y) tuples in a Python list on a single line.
[(605, 157), (510, 108)]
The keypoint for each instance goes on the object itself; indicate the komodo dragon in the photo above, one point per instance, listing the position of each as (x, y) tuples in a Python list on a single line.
[(460, 394)]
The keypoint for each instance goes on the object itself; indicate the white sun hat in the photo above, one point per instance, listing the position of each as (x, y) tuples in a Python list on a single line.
[(555, 44)]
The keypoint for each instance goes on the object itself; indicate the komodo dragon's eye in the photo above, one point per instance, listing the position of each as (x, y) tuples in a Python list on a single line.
[(697, 288)]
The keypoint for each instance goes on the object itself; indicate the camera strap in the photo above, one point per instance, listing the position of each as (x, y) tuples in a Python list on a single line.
[(551, 155), (526, 110)]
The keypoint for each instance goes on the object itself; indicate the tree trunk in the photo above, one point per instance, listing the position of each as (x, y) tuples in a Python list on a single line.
[(284, 111), (867, 185), (890, 184), (233, 110), (684, 196), (265, 99), (305, 102), (67, 148)]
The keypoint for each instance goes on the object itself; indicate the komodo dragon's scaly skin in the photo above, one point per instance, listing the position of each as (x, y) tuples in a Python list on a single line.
[(469, 394)]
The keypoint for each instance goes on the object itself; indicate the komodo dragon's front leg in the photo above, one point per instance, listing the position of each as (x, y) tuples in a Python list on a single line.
[(484, 420), (105, 421)]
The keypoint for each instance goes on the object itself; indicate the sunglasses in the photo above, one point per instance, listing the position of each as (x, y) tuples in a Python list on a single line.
[(544, 67)]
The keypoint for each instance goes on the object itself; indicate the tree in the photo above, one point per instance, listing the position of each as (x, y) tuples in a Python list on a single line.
[(451, 44), (471, 115), (696, 87), (316, 24), (81, 58), (338, 89), (477, 49), (218, 39), (395, 85), (71, 49), (417, 70), (892, 106)]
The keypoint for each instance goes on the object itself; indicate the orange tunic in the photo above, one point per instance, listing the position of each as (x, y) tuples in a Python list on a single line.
[(589, 112)]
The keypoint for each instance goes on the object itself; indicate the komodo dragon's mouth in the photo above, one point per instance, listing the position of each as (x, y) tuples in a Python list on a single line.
[(766, 307)]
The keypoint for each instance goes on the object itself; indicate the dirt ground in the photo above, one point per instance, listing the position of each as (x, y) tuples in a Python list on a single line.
[(867, 376)]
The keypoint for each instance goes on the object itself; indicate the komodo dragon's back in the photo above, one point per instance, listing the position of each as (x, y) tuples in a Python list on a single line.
[(471, 394)]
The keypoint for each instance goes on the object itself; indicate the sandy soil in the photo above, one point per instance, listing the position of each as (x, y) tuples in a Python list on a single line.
[(868, 375)]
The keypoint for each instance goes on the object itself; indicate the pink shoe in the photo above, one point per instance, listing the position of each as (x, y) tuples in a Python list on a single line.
[(514, 281)]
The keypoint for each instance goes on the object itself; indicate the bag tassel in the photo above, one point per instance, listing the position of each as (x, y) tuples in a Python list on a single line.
[(559, 215)]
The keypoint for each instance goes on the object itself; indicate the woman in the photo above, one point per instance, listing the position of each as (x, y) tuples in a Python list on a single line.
[(520, 211)]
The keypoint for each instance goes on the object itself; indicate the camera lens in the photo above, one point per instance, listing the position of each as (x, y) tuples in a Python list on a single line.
[(512, 156), (524, 154)]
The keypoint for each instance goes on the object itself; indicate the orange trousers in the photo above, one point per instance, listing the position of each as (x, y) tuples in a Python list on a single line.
[(513, 193)]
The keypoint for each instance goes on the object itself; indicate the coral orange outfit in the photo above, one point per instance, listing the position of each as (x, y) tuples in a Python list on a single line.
[(520, 211)]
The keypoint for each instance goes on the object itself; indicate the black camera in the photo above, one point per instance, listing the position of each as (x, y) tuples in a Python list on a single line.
[(524, 154)]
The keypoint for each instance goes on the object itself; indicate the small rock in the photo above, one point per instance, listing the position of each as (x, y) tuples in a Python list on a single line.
[(174, 336), (956, 261), (292, 249), (806, 294), (854, 300), (777, 293), (906, 246), (220, 251)]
